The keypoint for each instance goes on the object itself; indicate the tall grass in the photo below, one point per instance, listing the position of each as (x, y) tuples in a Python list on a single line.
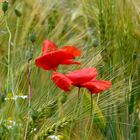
[(107, 32)]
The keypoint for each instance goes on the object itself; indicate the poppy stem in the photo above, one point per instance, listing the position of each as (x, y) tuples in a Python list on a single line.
[(92, 115), (9, 50), (78, 108), (78, 101), (78, 94), (30, 97), (75, 112), (29, 82), (91, 104)]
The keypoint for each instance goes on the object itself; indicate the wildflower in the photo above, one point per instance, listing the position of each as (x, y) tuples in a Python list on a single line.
[(52, 56), (85, 78)]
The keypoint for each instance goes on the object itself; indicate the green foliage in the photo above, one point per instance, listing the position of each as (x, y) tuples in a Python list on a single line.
[(107, 32)]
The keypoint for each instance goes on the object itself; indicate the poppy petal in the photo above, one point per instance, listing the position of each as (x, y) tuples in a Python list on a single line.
[(69, 61), (72, 50), (97, 86), (61, 81), (48, 46), (51, 60), (41, 62), (81, 76)]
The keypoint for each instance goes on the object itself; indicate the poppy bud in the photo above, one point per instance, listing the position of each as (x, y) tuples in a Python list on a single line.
[(4, 6), (32, 37), (17, 12)]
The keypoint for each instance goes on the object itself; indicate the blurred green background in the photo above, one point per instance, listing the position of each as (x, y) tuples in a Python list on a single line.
[(107, 32)]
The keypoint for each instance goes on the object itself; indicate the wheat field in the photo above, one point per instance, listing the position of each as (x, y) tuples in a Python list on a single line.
[(108, 34)]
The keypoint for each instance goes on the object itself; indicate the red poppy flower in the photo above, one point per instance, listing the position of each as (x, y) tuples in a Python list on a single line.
[(52, 56), (62, 81), (97, 86), (81, 78)]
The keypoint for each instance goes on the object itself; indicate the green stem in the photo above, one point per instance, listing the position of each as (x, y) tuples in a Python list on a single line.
[(75, 112), (91, 104), (9, 69), (29, 101), (29, 82), (14, 50), (9, 49), (78, 109), (78, 96), (92, 115)]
